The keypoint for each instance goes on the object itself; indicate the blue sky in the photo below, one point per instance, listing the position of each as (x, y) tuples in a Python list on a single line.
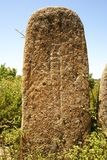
[(15, 14)]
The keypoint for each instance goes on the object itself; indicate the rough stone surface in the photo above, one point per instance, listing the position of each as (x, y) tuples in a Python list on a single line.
[(55, 82), (102, 113)]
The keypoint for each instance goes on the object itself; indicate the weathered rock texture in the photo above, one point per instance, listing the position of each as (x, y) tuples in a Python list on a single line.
[(55, 82), (102, 113)]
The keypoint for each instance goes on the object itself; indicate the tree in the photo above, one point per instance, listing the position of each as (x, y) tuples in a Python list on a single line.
[(7, 72)]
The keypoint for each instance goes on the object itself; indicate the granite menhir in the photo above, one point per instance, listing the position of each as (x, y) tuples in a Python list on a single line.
[(102, 111), (55, 113)]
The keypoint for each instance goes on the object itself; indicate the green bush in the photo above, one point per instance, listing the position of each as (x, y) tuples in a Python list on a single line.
[(94, 149), (7, 72), (10, 110), (94, 100), (10, 103)]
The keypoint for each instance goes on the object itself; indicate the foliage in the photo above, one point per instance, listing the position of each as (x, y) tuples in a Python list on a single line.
[(94, 100), (91, 81), (94, 149), (10, 103), (10, 108), (10, 143), (7, 72)]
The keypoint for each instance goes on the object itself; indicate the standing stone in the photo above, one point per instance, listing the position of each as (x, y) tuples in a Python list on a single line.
[(102, 113), (55, 112)]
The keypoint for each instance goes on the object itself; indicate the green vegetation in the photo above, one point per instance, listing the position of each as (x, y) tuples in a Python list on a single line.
[(94, 101), (94, 148), (10, 108)]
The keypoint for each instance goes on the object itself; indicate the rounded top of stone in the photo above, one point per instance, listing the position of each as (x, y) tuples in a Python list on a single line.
[(54, 10), (54, 22)]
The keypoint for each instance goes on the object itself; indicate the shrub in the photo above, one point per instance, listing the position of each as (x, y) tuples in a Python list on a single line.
[(10, 103)]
